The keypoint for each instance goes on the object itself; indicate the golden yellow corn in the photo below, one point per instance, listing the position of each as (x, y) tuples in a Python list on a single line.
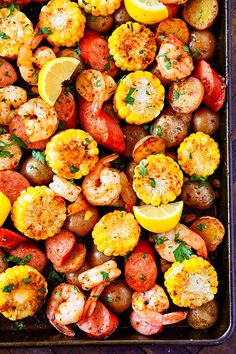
[(99, 7)]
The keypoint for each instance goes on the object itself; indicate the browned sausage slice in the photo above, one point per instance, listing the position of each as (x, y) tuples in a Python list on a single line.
[(75, 260), (59, 247), (12, 184), (7, 73)]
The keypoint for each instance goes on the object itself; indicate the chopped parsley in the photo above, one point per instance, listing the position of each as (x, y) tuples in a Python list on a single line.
[(142, 277), (201, 180), (105, 276), (186, 49), (168, 66), (18, 141), (61, 125), (144, 255), (73, 169), (8, 288), (11, 9), (44, 30), (142, 169), (129, 99), (159, 240), (159, 131), (2, 130), (19, 325), (182, 252), (201, 227), (26, 280), (3, 35), (108, 299), (153, 182), (162, 37), (39, 155), (18, 260), (176, 94)]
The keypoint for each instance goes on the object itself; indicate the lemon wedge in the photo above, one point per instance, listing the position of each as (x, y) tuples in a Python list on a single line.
[(5, 208), (52, 75), (146, 11), (159, 219)]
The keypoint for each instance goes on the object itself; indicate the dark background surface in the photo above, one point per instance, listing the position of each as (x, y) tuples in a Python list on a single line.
[(228, 346)]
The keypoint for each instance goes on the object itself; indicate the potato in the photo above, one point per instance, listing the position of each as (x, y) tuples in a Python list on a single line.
[(72, 278), (177, 2), (211, 230), (200, 14), (121, 16), (172, 127), (3, 264), (150, 145), (186, 95), (96, 257), (198, 196), (132, 134), (79, 224), (117, 296), (204, 316), (173, 26), (36, 172), (205, 120), (129, 170), (202, 45), (101, 24)]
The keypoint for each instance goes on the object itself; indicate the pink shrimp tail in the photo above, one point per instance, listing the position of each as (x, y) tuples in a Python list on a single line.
[(173, 317)]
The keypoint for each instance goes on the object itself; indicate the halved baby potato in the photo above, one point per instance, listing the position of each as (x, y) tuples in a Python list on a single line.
[(174, 26), (150, 145), (200, 14)]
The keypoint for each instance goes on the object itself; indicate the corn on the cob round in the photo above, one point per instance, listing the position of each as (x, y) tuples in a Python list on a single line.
[(38, 213), (133, 46), (191, 283), (199, 154), (22, 292), (139, 97), (157, 179), (72, 153), (116, 233), (15, 29), (99, 7), (12, 155), (65, 22)]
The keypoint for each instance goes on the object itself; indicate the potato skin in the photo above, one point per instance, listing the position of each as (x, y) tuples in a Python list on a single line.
[(204, 316), (108, 108), (129, 170), (77, 224), (35, 172), (202, 45), (3, 264), (72, 278), (117, 296), (95, 257), (121, 16), (199, 197), (208, 10), (132, 133), (150, 145), (205, 120), (101, 24)]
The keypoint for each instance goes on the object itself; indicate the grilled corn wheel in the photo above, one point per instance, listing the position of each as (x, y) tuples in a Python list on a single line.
[(13, 153), (72, 153), (22, 292), (99, 7), (199, 154), (38, 213), (65, 20), (133, 46), (157, 179), (116, 233), (139, 97), (191, 283), (15, 29)]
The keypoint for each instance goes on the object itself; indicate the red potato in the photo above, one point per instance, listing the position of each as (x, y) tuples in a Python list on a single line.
[(10, 239), (38, 258), (12, 184), (150, 145), (143, 327), (214, 87), (205, 120), (8, 74), (59, 247), (174, 26), (101, 324), (66, 110), (96, 258), (140, 268), (133, 134), (117, 296), (75, 261), (102, 127), (202, 45), (185, 96), (200, 14)]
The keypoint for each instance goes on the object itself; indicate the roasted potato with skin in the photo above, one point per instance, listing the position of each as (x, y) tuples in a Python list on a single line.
[(172, 127), (202, 45), (132, 134), (200, 14), (117, 296), (150, 145), (95, 257), (186, 95), (101, 24), (174, 26), (129, 170), (121, 16), (205, 316), (198, 196), (3, 264), (108, 108), (205, 120), (35, 172), (81, 223), (72, 278), (211, 230)]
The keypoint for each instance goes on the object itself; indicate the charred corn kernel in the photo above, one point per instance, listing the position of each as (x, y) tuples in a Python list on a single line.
[(116, 233), (22, 292), (157, 179), (199, 154), (191, 283), (64, 22), (15, 29), (139, 97), (5, 208), (72, 153), (133, 46), (38, 213), (99, 7), (64, 188)]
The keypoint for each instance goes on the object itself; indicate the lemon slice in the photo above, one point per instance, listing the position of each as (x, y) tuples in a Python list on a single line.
[(159, 219), (5, 208), (146, 11), (52, 75)]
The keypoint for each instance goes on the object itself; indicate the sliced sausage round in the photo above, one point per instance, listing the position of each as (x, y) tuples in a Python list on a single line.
[(12, 184), (75, 260)]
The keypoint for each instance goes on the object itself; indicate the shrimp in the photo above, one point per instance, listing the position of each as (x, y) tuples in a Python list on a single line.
[(168, 242), (102, 186), (151, 304), (174, 62), (40, 119), (10, 96), (65, 307), (26, 59), (10, 153), (127, 193)]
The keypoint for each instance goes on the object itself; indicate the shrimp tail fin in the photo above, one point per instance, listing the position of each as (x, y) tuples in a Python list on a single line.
[(67, 331), (174, 317), (90, 304)]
